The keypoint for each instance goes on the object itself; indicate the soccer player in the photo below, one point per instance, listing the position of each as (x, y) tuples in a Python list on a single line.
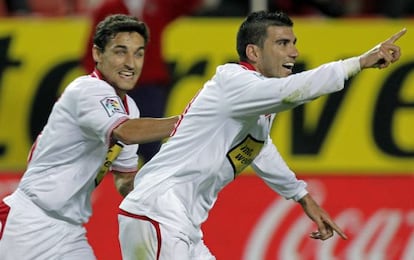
[(152, 89), (224, 129), (44, 217)]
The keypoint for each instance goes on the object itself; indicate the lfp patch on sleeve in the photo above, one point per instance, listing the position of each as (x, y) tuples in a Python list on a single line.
[(113, 105)]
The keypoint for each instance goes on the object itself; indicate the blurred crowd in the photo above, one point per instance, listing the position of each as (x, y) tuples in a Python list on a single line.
[(329, 8)]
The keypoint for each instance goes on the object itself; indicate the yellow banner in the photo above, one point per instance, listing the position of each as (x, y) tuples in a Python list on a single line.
[(365, 129), (38, 57)]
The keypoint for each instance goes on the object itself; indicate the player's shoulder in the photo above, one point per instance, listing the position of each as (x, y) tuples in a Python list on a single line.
[(90, 80), (232, 68), (233, 72), (228, 67), (88, 83)]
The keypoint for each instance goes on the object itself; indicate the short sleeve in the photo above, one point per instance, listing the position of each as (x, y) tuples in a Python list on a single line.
[(99, 109)]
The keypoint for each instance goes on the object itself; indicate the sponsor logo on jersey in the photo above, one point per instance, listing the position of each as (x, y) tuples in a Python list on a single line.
[(113, 105), (244, 153)]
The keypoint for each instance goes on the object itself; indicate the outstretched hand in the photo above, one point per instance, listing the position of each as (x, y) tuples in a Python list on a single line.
[(382, 55), (326, 226)]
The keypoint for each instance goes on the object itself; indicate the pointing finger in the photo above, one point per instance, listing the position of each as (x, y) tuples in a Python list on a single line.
[(396, 36), (335, 227), (339, 231)]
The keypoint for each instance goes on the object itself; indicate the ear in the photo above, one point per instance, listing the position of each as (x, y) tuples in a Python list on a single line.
[(252, 52), (96, 53)]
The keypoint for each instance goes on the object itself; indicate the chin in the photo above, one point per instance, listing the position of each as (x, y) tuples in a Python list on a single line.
[(286, 74), (128, 88)]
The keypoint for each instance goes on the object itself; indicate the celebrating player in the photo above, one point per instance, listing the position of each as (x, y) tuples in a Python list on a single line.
[(224, 129), (44, 217)]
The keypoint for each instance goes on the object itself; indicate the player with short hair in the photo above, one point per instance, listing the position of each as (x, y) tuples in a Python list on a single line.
[(44, 217), (224, 129)]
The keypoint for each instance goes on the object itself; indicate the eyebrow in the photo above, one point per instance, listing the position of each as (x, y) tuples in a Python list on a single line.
[(286, 40), (119, 47), (125, 47)]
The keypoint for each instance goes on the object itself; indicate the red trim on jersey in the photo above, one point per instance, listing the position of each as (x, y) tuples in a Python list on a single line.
[(153, 222), (247, 65), (115, 125), (29, 157), (124, 101), (96, 74), (4, 213), (177, 124)]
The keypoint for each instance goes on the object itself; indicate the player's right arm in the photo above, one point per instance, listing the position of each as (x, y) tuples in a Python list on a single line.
[(144, 130)]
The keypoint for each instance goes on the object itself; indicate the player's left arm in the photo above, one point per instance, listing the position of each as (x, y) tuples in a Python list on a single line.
[(124, 181)]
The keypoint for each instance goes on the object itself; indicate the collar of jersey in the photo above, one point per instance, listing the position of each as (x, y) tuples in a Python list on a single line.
[(247, 65), (96, 74)]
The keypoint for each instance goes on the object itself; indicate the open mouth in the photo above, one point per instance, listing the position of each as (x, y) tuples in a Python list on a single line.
[(126, 74), (288, 65)]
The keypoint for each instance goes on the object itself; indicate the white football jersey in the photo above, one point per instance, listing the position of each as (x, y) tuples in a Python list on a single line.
[(224, 129), (68, 153)]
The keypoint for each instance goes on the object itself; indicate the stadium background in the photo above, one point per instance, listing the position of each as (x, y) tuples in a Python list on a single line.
[(355, 148)]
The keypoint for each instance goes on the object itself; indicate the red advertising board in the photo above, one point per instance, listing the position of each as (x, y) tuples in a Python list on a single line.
[(250, 221)]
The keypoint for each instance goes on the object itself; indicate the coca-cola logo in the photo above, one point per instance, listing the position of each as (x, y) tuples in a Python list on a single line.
[(375, 233)]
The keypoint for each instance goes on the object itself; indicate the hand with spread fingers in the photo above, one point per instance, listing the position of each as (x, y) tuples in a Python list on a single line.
[(382, 55), (326, 226)]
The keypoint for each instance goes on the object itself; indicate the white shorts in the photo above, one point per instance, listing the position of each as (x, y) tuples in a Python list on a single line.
[(28, 233), (145, 239)]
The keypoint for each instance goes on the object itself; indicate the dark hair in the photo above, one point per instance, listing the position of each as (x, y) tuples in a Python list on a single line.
[(114, 24), (253, 30)]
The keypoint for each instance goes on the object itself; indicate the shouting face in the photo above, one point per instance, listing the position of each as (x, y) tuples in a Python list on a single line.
[(278, 54), (121, 60)]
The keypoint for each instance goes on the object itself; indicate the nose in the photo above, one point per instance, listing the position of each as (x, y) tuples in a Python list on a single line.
[(129, 61), (294, 53)]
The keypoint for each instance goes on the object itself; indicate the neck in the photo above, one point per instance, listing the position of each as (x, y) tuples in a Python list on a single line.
[(97, 74)]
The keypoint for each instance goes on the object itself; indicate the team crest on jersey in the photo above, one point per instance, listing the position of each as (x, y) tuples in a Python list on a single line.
[(113, 105), (244, 153)]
